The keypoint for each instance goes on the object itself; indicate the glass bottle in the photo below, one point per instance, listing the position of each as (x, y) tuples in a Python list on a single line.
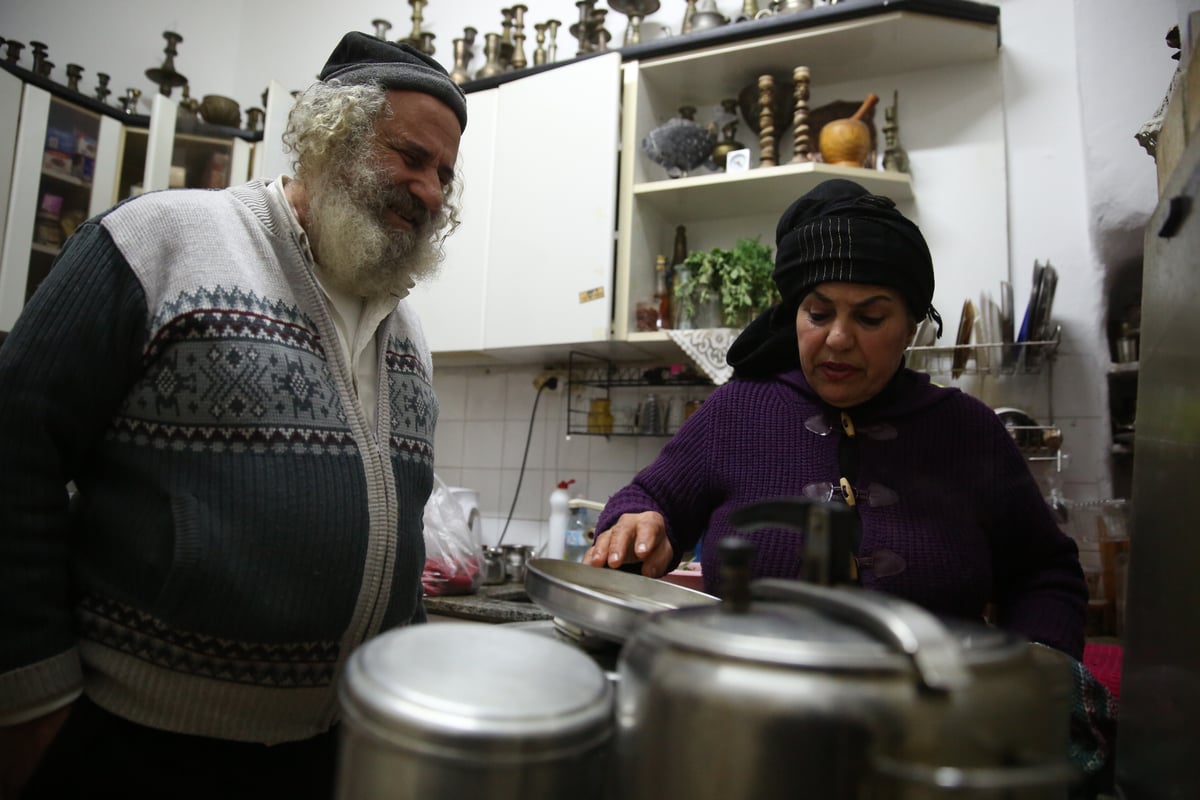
[(662, 292), (680, 252), (676, 269)]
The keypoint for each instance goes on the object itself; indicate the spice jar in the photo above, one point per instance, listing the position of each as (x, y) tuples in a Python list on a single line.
[(600, 418)]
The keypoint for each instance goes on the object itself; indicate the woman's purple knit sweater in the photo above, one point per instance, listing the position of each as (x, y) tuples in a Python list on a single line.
[(967, 524)]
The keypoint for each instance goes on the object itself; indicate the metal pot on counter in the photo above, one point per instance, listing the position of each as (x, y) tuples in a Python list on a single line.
[(788, 689), (469, 710)]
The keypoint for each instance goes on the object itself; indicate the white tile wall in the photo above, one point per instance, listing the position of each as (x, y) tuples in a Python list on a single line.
[(483, 427)]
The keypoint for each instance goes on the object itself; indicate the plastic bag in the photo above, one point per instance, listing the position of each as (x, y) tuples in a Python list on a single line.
[(452, 550)]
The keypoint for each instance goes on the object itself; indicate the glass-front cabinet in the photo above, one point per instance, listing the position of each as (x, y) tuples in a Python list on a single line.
[(65, 162), (65, 157)]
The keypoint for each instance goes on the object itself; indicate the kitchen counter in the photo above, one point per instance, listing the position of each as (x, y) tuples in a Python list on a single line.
[(498, 603)]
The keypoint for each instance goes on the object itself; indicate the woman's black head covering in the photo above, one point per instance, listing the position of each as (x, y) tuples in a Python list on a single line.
[(836, 232)]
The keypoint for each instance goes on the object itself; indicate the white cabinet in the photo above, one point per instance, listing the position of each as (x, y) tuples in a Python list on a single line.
[(270, 159), (205, 157), (65, 157), (532, 263), (451, 304), (946, 72), (554, 207), (64, 168)]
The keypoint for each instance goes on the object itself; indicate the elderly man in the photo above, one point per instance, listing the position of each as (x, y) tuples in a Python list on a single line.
[(240, 398)]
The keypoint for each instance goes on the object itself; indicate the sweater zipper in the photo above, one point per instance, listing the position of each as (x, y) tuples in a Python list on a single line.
[(366, 615)]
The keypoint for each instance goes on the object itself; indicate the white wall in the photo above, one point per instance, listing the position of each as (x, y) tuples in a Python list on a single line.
[(1080, 77)]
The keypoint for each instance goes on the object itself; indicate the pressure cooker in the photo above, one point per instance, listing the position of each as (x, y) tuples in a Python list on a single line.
[(788, 689)]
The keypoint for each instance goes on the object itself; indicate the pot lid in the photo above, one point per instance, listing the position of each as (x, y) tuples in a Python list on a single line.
[(457, 685), (800, 625), (606, 602)]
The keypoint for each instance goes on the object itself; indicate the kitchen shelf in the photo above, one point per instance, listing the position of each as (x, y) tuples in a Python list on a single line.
[(701, 198), (45, 249), (66, 177), (592, 377), (882, 44)]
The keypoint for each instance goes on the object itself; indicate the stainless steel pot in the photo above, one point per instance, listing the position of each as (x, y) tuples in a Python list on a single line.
[(792, 690), (468, 710), (494, 571)]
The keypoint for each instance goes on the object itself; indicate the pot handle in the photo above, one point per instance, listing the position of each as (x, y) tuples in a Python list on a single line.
[(909, 628)]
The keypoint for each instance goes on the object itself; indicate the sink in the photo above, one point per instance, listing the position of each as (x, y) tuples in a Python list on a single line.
[(512, 594)]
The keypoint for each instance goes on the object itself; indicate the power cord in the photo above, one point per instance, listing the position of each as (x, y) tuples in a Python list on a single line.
[(549, 383)]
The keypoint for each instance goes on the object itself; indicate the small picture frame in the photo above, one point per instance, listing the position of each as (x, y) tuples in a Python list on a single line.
[(738, 160)]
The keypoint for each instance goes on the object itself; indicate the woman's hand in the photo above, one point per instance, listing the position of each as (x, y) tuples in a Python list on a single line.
[(635, 537)]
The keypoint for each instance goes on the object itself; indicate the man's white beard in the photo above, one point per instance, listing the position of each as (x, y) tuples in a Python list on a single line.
[(357, 251)]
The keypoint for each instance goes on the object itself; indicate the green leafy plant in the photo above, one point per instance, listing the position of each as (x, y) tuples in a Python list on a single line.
[(740, 279)]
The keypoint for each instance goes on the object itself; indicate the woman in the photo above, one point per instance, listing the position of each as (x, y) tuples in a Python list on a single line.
[(821, 405)]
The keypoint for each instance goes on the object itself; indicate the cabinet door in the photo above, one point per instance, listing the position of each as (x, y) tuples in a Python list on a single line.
[(10, 114), (270, 160), (554, 207), (63, 170), (451, 304), (199, 156)]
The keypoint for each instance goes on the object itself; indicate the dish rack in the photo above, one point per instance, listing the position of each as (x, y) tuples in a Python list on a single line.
[(986, 358)]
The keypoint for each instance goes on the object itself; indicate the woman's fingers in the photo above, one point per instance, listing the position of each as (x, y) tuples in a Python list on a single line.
[(634, 537)]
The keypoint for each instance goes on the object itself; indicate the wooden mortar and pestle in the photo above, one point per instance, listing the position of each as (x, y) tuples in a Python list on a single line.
[(846, 142)]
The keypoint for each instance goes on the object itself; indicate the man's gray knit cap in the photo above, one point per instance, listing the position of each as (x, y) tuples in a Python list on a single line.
[(363, 59)]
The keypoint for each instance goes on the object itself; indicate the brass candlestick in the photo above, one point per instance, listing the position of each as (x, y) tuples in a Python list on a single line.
[(895, 159), (39, 55), (74, 73), (462, 59), (582, 30), (518, 58), (552, 25), (539, 52), (506, 38), (130, 100), (802, 146), (766, 121), (12, 51), (165, 76), (102, 90), (382, 26), (188, 104), (491, 51), (418, 17)]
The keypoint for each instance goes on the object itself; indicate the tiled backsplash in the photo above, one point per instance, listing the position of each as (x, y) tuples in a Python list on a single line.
[(481, 442)]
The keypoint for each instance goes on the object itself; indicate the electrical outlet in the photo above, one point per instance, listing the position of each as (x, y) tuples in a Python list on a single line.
[(548, 378)]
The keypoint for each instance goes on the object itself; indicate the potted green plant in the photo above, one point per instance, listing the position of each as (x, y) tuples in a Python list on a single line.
[(734, 284)]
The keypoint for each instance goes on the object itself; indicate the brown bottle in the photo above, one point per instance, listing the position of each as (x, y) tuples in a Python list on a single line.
[(681, 248)]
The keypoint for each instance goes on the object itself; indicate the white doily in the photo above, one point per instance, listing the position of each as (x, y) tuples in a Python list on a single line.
[(707, 347)]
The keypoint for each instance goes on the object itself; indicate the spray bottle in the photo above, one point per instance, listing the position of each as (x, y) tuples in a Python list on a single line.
[(558, 520)]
